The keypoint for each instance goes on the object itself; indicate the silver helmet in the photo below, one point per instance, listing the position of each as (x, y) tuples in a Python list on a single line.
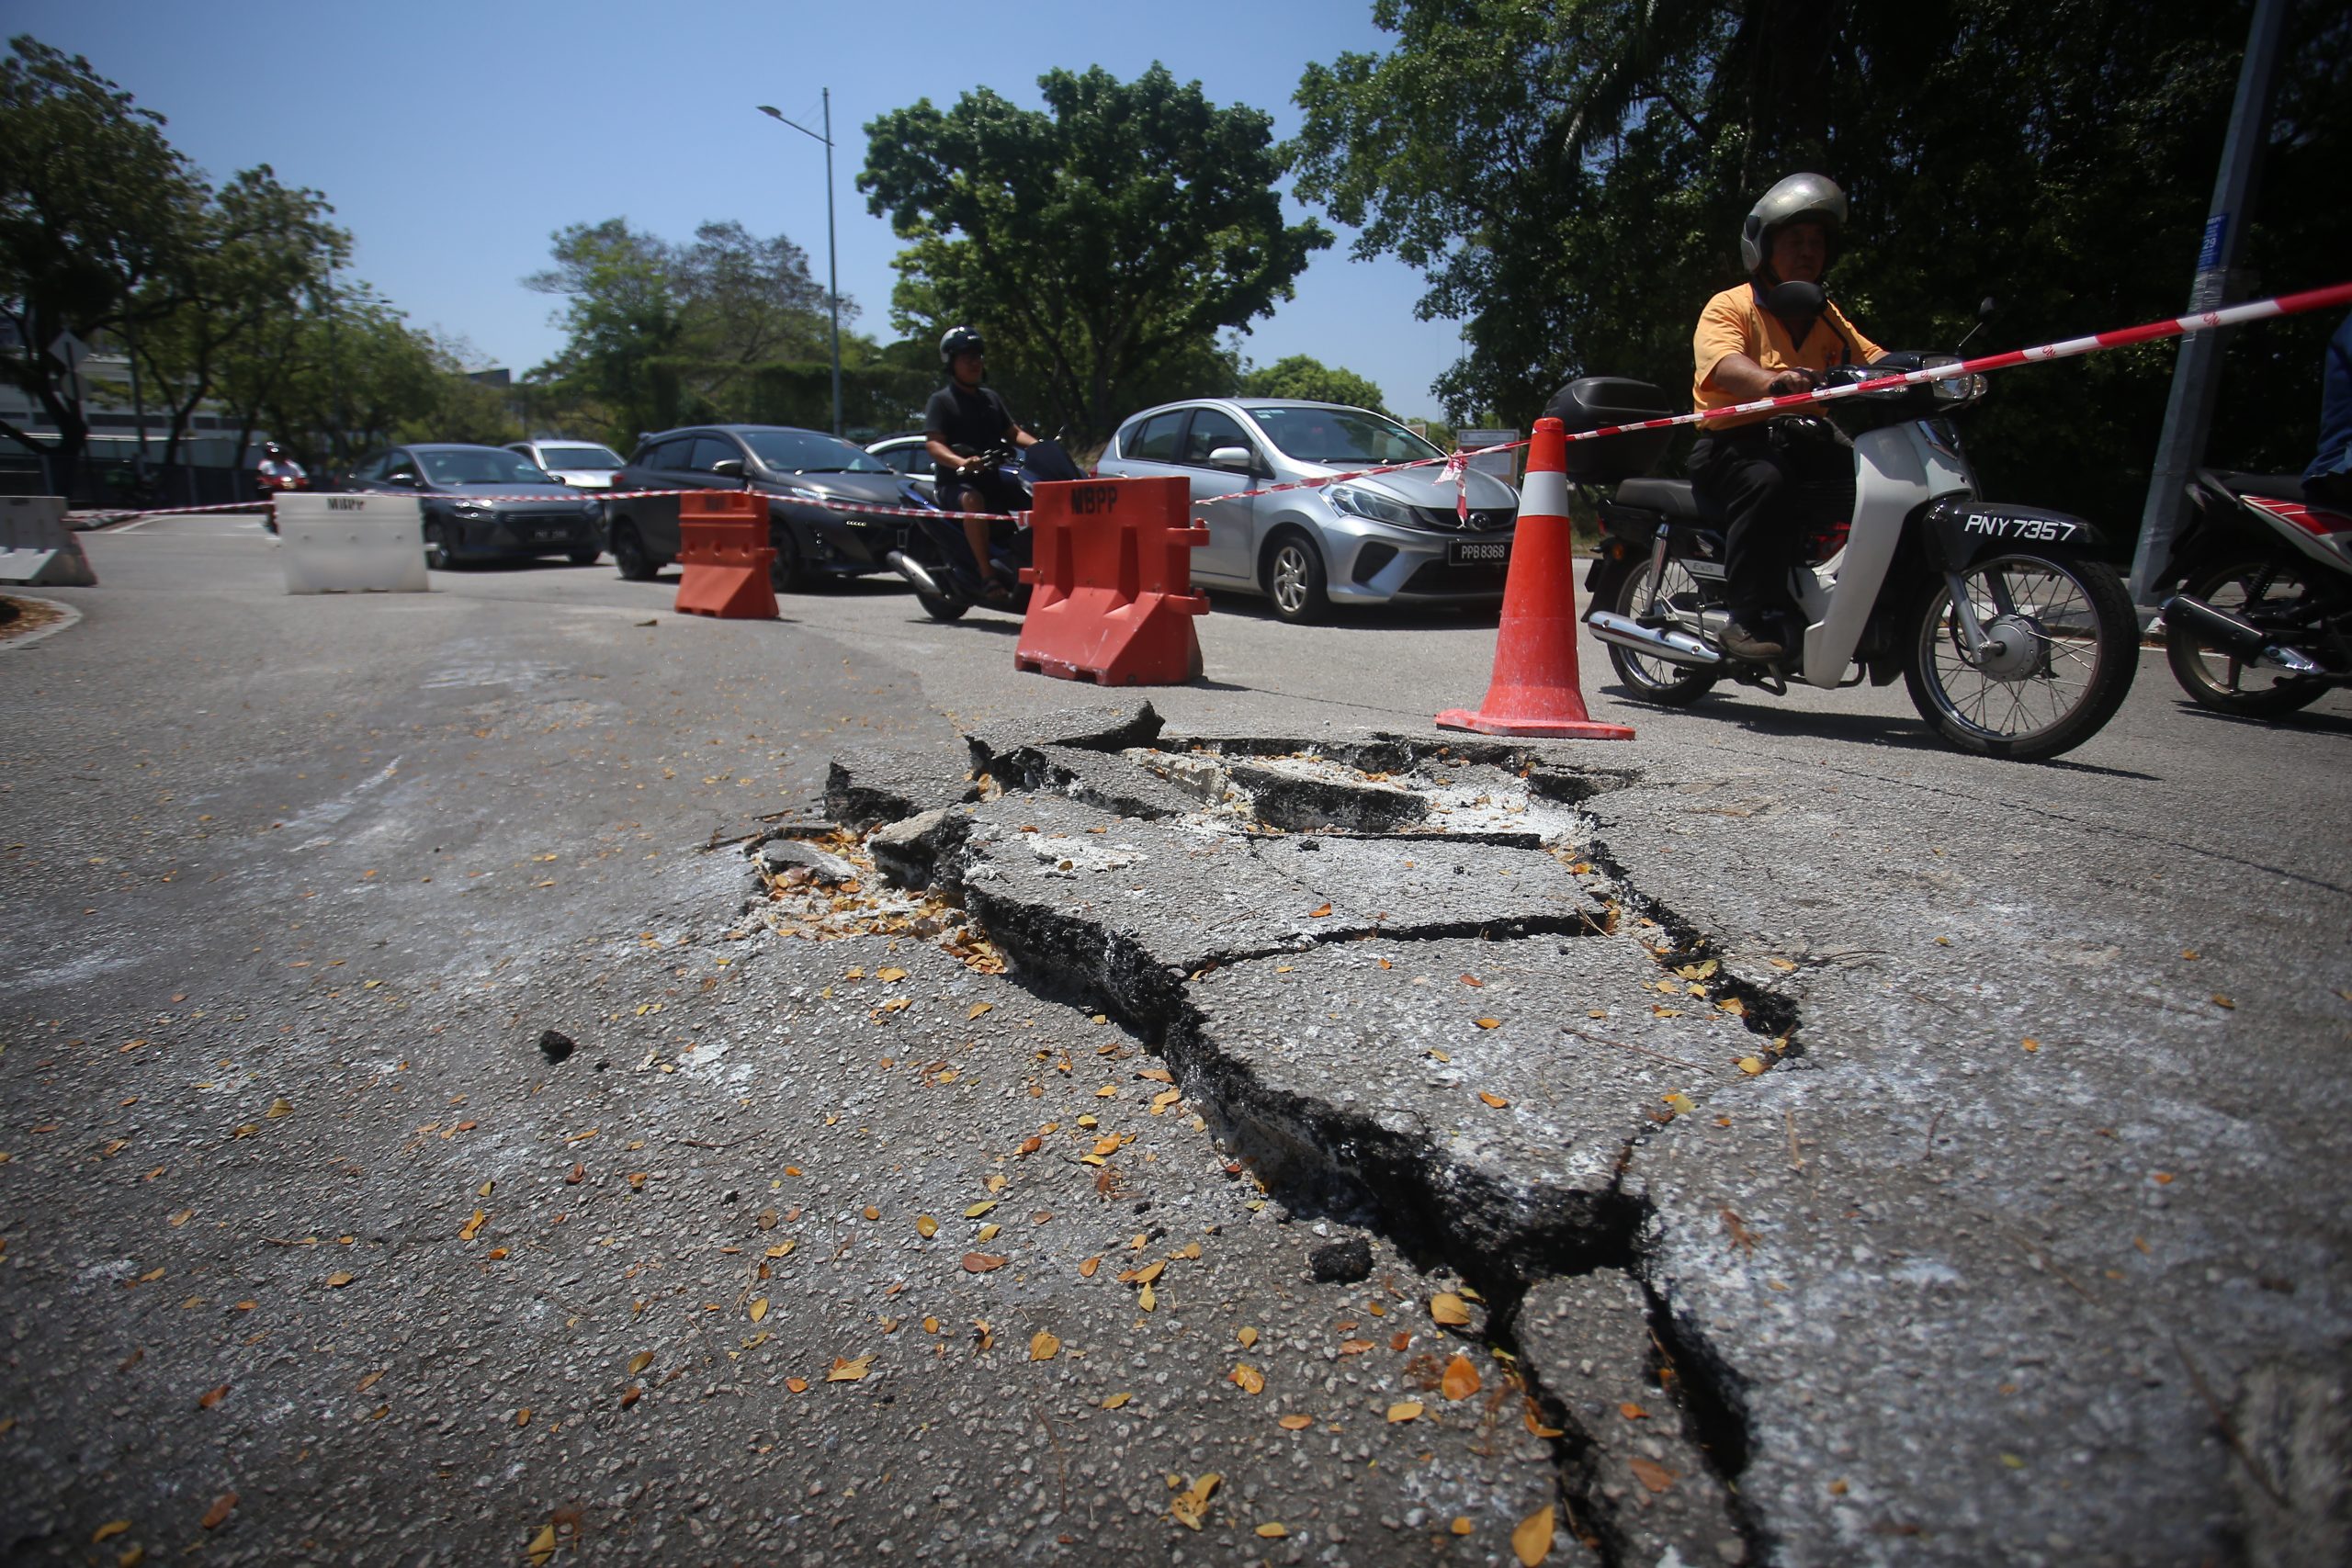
[(959, 340), (1813, 198)]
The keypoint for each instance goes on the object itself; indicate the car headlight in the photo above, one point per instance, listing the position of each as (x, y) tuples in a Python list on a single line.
[(590, 508), (473, 509), (801, 492), (1357, 501)]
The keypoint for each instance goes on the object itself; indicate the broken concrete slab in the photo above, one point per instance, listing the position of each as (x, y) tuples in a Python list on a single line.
[(1469, 1109), (1104, 779), (1653, 1490), (778, 856), (908, 852), (867, 786), (1103, 727), (1299, 795)]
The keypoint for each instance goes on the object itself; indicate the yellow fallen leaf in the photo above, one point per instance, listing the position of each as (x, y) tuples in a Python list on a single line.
[(1447, 1308), (797, 1385), (1733, 1006), (1679, 1103), (338, 1279), (1108, 1091), (278, 1108), (784, 1248), (1496, 1101), (1651, 1475), (1488, 1022), (1191, 1506), (1532, 1542), (850, 1372), (759, 1308), (1247, 1378), (1461, 1379), (977, 1008), (1108, 1145), (1296, 1423), (1461, 1525), (1144, 1275), (989, 1231), (1085, 1269), (2221, 1001), (108, 1530), (1406, 1410), (473, 1228), (926, 1226), (1751, 1066), (891, 975), (1272, 1531), (1247, 1336), (1318, 913), (541, 1552), (1116, 1400), (1043, 1346), (1783, 964), (1147, 1298), (977, 1209)]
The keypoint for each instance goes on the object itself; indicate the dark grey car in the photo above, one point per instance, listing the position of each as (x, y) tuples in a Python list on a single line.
[(484, 502), (784, 464)]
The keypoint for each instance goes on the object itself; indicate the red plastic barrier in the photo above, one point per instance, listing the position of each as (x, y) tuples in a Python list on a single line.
[(723, 544), (1114, 601)]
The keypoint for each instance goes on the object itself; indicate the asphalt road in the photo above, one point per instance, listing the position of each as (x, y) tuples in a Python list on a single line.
[(2038, 1224)]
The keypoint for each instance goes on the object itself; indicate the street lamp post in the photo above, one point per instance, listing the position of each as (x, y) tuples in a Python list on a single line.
[(832, 270)]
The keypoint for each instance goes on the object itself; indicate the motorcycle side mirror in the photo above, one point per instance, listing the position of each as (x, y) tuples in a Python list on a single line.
[(1987, 307), (1795, 298)]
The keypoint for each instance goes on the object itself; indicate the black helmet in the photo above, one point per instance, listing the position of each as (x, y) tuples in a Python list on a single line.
[(1809, 199), (959, 340)]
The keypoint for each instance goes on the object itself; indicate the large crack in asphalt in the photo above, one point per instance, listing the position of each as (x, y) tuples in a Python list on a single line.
[(1561, 1254)]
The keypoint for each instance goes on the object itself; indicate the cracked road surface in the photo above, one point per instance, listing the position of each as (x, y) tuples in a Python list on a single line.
[(431, 1137)]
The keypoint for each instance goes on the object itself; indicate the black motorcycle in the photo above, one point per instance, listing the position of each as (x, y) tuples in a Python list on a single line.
[(936, 558)]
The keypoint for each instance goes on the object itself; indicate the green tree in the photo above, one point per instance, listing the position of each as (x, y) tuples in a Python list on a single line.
[(1303, 376), (661, 334), (95, 206), (1101, 245), (1570, 176)]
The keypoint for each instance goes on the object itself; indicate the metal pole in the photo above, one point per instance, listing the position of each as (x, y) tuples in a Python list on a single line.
[(2196, 372), (832, 270)]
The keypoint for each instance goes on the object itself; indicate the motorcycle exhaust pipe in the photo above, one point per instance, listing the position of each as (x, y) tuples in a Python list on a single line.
[(1657, 642), (913, 572), (2232, 636)]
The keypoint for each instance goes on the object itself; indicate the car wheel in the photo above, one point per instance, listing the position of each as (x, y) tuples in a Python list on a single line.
[(629, 554), (1295, 581), (787, 573), (438, 554)]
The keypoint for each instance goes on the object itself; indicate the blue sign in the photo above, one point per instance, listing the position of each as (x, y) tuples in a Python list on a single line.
[(2217, 229)]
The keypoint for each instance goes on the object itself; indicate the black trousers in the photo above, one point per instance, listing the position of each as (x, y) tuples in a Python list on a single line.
[(1736, 474)]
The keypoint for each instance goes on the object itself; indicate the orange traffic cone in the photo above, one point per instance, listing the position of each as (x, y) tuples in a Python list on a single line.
[(1535, 690)]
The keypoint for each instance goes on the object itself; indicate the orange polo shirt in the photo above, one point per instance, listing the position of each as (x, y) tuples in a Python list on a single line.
[(1734, 323)]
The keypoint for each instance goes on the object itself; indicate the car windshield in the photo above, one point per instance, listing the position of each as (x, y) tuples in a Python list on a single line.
[(481, 466), (578, 458), (1340, 435), (806, 452)]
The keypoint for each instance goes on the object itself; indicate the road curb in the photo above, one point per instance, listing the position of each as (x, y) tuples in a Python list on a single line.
[(72, 618)]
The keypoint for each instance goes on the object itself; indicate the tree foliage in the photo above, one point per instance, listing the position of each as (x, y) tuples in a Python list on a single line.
[(729, 326), (1570, 175), (1101, 245), (1303, 376)]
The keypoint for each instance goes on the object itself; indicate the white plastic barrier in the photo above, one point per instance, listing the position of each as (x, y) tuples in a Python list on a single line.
[(352, 544), (35, 546)]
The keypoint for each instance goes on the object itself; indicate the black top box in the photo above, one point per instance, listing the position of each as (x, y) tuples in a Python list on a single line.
[(1593, 401)]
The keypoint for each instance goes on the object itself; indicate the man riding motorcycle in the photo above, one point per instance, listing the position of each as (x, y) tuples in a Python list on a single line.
[(966, 415), (1742, 467)]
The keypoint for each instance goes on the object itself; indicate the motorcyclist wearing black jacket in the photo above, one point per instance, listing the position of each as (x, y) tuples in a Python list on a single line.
[(966, 414)]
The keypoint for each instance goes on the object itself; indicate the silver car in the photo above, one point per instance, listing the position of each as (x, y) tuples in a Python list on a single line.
[(911, 455), (1389, 539), (584, 465)]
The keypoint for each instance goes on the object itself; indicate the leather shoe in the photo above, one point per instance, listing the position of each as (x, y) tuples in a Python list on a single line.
[(1749, 647)]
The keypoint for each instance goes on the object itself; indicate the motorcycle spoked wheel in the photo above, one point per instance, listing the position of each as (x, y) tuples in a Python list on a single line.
[(1659, 680), (2069, 647), (2266, 592)]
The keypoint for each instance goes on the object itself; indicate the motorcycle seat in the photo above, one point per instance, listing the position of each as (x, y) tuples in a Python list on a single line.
[(2270, 487), (1672, 497)]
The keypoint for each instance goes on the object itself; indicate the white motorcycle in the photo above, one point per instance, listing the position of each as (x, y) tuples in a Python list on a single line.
[(2015, 638)]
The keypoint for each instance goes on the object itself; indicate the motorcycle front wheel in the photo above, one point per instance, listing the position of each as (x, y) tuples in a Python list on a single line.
[(2061, 645), (2273, 594), (1659, 680)]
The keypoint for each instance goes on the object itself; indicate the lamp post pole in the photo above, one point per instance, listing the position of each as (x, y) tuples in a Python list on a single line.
[(832, 269)]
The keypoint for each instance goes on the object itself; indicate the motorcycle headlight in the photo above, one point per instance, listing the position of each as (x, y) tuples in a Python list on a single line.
[(1958, 390), (1357, 501)]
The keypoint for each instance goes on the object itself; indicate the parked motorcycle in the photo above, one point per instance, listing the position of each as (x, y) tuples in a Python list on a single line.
[(936, 558), (2014, 638), (2262, 623), (276, 475)]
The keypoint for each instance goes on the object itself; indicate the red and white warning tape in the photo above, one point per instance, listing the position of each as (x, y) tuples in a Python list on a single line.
[(1456, 463)]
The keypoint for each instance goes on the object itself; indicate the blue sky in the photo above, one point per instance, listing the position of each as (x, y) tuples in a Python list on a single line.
[(454, 138)]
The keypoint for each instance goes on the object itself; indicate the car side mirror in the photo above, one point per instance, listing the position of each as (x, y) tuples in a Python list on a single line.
[(1232, 457), (729, 467)]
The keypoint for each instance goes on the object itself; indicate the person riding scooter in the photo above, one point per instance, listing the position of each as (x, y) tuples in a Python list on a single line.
[(963, 422), (1742, 467)]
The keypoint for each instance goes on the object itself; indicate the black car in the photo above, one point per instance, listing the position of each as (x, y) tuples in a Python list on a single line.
[(784, 465), (484, 502)]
